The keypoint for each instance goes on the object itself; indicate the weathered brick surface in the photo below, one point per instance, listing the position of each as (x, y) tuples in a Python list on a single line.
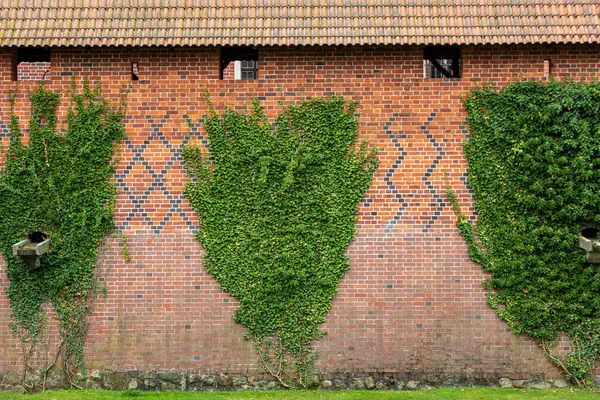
[(412, 304), (32, 71)]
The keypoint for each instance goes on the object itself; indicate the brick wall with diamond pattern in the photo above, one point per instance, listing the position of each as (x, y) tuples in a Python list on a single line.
[(411, 305)]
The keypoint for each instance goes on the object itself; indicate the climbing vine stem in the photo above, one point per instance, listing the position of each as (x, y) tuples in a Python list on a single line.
[(534, 167), (277, 206), (58, 187)]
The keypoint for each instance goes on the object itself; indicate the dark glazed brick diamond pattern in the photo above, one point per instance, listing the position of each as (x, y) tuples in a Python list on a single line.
[(140, 204), (464, 178), (438, 203), (392, 170), (194, 128)]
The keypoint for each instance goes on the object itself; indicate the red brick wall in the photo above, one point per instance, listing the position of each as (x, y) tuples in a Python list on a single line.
[(411, 303), (32, 71)]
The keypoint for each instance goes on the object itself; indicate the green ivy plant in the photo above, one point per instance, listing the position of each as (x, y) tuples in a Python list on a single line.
[(59, 185), (534, 167), (277, 207)]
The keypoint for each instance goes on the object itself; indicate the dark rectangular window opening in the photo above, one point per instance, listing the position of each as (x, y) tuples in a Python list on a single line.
[(442, 61), (135, 72), (244, 65), (31, 63)]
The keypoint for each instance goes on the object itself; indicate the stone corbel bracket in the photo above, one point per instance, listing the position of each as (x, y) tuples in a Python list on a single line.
[(592, 247), (31, 251)]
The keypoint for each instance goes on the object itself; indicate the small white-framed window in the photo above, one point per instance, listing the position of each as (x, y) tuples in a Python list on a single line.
[(246, 69)]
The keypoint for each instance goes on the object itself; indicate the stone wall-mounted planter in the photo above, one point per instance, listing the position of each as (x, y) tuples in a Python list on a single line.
[(590, 242), (32, 248)]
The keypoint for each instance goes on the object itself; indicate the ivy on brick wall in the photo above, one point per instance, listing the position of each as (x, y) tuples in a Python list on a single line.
[(534, 166), (58, 188), (277, 207)]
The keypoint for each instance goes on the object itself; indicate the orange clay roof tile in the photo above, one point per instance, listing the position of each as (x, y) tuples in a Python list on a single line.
[(296, 22)]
